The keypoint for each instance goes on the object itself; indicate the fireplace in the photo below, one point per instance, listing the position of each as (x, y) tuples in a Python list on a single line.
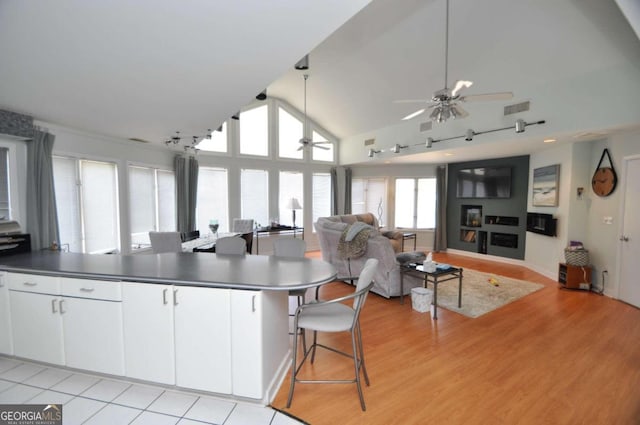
[(507, 240)]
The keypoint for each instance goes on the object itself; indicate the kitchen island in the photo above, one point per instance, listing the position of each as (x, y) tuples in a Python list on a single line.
[(214, 323)]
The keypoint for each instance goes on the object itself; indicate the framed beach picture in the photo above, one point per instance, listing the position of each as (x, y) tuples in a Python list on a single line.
[(545, 186)]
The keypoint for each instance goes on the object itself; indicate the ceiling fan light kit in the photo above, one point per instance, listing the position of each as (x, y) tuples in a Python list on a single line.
[(445, 101)]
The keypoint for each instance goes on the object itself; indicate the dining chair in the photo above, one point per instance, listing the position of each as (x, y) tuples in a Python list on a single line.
[(334, 316), (294, 248), (244, 226), (231, 245), (165, 242)]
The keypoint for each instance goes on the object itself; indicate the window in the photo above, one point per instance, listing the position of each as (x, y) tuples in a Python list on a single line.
[(370, 195), (254, 131), (212, 199), (218, 141), (416, 203), (320, 154), (152, 203), (321, 196), (291, 186), (87, 201), (289, 133), (254, 195)]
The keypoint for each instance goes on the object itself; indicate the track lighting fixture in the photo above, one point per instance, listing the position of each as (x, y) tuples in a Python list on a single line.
[(262, 95), (302, 64), (397, 147), (468, 136), (236, 116)]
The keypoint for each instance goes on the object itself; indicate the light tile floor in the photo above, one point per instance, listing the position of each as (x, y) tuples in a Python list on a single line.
[(95, 400)]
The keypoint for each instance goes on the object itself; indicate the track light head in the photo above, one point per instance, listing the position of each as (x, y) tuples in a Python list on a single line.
[(302, 64), (469, 135), (429, 142), (520, 125), (236, 116), (262, 95)]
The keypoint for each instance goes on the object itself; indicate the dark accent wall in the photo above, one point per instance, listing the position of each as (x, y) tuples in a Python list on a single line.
[(502, 212)]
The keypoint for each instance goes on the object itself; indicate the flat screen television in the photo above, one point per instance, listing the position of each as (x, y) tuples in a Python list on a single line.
[(484, 182)]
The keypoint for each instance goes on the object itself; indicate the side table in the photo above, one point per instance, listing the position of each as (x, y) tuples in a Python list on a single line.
[(435, 278)]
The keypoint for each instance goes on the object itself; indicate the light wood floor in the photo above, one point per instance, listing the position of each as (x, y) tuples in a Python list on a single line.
[(553, 357)]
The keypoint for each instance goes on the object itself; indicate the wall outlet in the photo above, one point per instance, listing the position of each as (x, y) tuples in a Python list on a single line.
[(585, 286), (607, 219)]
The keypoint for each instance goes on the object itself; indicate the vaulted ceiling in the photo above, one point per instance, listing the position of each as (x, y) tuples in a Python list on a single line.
[(145, 69)]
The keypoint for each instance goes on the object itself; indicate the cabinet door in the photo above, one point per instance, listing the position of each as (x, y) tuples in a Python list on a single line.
[(203, 338), (259, 341), (148, 332), (93, 334), (6, 343), (37, 327)]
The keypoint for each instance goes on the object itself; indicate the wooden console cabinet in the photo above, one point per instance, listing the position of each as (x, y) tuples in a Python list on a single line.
[(574, 277)]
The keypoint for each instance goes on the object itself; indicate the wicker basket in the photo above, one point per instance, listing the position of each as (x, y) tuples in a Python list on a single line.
[(578, 257)]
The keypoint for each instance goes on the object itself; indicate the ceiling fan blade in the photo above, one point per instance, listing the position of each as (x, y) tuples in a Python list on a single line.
[(459, 111), (412, 101), (413, 114), (487, 96), (322, 143), (315, 145), (300, 148), (460, 84)]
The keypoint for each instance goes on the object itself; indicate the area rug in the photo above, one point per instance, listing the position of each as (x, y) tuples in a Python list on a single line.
[(482, 292)]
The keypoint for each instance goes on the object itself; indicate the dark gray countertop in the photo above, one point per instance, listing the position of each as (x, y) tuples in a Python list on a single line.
[(192, 269)]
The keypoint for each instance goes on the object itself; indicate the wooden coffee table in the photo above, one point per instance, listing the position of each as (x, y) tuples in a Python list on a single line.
[(435, 278)]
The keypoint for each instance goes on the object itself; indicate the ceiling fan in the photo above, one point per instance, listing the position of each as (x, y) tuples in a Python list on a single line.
[(305, 141), (445, 102)]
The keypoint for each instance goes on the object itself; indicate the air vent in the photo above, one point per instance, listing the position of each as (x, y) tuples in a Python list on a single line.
[(426, 126), (518, 107), (135, 139), (369, 142)]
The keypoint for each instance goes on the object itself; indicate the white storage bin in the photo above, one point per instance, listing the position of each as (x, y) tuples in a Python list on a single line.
[(421, 299)]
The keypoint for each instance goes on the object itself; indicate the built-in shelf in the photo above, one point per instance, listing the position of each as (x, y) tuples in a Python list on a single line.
[(501, 220), (468, 235), (471, 215)]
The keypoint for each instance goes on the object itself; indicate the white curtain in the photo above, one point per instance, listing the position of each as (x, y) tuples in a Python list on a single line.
[(42, 215)]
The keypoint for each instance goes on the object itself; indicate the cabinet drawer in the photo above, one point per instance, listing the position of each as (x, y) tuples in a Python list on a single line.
[(89, 288), (34, 283)]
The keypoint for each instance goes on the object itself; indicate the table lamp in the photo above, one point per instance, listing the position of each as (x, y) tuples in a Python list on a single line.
[(293, 205)]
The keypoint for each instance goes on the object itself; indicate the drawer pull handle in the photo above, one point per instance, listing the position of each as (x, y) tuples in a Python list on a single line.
[(164, 296), (175, 297), (62, 309), (253, 304), (53, 306), (30, 283), (87, 289)]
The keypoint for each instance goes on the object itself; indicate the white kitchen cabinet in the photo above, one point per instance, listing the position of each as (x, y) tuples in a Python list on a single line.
[(35, 317), (259, 341), (203, 338), (6, 340), (92, 321), (148, 332)]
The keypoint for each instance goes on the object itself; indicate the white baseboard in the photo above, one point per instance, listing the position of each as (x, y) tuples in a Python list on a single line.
[(544, 272)]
